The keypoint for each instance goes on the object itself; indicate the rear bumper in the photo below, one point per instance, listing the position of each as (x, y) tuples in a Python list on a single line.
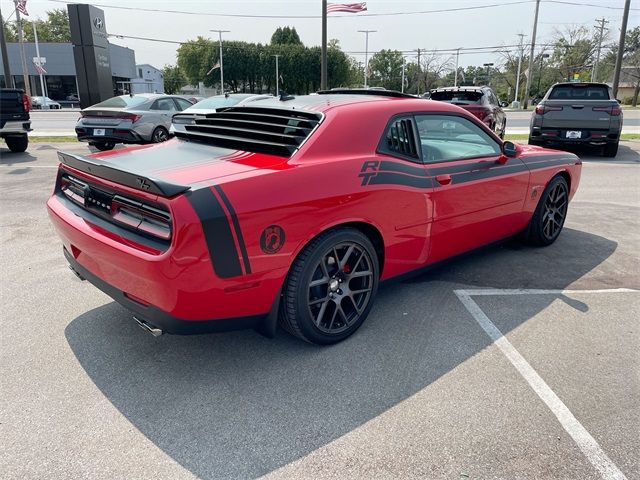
[(587, 137), (158, 318), (111, 135), (15, 127)]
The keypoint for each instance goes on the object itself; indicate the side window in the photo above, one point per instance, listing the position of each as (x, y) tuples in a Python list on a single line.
[(163, 104), (448, 137), (182, 103), (399, 139)]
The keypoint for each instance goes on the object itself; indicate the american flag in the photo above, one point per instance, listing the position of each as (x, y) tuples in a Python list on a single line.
[(217, 65), (21, 6), (346, 7), (40, 69)]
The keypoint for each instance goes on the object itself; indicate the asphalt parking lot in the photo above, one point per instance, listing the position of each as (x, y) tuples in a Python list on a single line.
[(537, 378)]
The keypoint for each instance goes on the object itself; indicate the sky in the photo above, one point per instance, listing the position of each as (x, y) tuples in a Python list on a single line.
[(485, 27)]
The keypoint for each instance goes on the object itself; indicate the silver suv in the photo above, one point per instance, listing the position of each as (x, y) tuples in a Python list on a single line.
[(578, 113)]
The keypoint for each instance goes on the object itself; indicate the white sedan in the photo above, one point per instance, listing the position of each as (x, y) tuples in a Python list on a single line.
[(44, 103)]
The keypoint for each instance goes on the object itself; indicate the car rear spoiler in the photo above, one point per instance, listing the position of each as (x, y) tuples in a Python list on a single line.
[(102, 169)]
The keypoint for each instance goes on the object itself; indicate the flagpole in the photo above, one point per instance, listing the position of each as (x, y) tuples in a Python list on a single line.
[(25, 73), (277, 77), (323, 67), (35, 37), (220, 32)]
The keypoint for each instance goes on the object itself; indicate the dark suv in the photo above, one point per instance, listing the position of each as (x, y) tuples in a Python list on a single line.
[(578, 113), (479, 101), (15, 123)]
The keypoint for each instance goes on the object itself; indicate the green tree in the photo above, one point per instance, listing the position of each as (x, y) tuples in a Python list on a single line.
[(285, 36), (54, 29), (173, 79), (385, 69)]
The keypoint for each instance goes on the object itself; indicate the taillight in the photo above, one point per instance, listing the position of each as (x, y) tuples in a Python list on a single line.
[(73, 188), (613, 111), (130, 116), (26, 103), (141, 217), (481, 114), (542, 109)]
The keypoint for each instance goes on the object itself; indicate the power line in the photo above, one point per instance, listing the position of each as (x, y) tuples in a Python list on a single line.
[(564, 2), (237, 15)]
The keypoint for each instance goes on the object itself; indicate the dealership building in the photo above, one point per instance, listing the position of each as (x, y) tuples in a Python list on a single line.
[(60, 79)]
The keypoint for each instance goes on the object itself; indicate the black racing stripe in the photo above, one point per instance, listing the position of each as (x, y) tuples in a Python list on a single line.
[(402, 168), (492, 172), (467, 167), (217, 233), (236, 227), (552, 163), (392, 178)]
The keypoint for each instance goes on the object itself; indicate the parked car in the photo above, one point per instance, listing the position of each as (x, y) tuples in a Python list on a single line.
[(140, 118), (15, 123), (295, 210), (211, 105), (480, 101), (578, 114), (44, 103)]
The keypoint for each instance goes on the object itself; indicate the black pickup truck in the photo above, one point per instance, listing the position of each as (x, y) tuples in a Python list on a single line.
[(14, 118)]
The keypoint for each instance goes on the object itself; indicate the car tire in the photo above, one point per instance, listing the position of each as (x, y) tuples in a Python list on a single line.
[(610, 150), (159, 135), (550, 213), (331, 287), (104, 146), (17, 143)]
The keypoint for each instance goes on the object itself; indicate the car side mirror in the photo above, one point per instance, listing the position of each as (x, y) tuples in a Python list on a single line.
[(509, 149), (618, 100), (504, 104)]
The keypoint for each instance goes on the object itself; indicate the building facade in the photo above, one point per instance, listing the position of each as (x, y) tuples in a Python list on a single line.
[(60, 79), (149, 80)]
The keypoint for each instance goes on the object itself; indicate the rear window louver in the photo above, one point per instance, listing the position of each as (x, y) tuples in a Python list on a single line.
[(264, 130)]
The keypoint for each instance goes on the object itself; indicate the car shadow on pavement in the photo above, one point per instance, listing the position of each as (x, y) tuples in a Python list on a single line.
[(238, 405), (626, 154), (9, 158)]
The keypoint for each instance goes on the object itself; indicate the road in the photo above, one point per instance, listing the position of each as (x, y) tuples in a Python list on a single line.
[(420, 391), (62, 122)]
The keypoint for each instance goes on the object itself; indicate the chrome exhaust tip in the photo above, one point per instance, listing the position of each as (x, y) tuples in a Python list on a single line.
[(147, 327)]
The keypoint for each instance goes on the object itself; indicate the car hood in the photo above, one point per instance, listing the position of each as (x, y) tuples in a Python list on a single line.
[(185, 162)]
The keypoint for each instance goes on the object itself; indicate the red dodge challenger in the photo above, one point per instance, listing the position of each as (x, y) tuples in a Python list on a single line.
[(294, 209)]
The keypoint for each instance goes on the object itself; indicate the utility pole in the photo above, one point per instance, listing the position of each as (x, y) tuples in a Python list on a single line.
[(594, 72), (488, 65), (366, 54), (8, 78), (515, 99), (277, 77), (623, 32), (419, 73), (35, 37), (323, 60), (220, 32), (455, 78), (403, 67), (25, 72), (525, 104)]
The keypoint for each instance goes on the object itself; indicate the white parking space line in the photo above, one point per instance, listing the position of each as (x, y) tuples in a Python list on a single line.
[(587, 444)]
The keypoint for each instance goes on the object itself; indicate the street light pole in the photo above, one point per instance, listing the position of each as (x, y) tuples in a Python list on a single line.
[(220, 32), (25, 72), (455, 78), (515, 99), (277, 77), (366, 53), (35, 37), (525, 103), (488, 65)]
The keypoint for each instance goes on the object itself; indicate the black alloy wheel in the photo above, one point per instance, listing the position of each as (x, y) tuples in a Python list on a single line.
[(159, 135), (331, 286), (550, 214)]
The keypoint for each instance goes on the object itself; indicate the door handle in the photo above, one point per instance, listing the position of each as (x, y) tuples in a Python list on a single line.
[(444, 179)]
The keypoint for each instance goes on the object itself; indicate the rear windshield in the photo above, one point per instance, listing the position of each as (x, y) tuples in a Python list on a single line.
[(217, 102), (458, 98), (124, 101), (579, 92)]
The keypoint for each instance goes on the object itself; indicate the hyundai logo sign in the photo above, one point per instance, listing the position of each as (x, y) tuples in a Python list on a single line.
[(98, 23)]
